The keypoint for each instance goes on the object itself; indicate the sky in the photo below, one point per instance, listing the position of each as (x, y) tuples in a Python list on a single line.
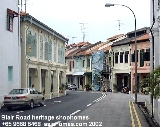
[(75, 18)]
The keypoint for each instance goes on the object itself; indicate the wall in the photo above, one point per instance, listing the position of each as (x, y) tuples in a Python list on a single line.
[(10, 48)]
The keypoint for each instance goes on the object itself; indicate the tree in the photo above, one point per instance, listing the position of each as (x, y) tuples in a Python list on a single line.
[(153, 82)]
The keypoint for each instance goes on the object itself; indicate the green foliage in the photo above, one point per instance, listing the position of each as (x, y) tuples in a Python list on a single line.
[(115, 86), (152, 81), (87, 86)]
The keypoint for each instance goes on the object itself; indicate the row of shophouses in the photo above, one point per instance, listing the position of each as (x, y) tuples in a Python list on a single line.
[(118, 62), (33, 53)]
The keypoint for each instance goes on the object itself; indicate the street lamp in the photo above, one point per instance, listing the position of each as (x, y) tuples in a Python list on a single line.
[(136, 85)]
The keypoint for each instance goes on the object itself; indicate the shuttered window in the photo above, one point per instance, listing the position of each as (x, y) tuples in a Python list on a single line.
[(141, 57), (116, 57), (147, 55), (55, 51), (50, 50), (126, 56), (46, 50), (121, 57), (41, 47)]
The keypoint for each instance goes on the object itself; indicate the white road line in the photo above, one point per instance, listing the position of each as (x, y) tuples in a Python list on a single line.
[(44, 105), (133, 97), (57, 101), (20, 111), (75, 112), (54, 124), (89, 104)]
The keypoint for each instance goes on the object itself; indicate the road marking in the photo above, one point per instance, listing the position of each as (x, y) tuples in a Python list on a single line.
[(20, 111), (75, 112), (139, 123), (133, 97), (44, 105), (132, 119), (100, 98), (57, 101), (89, 104), (54, 124)]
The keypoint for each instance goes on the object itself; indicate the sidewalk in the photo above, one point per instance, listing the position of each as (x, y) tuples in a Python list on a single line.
[(1, 104), (114, 111)]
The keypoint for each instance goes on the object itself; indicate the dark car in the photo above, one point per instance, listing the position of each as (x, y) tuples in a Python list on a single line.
[(73, 87)]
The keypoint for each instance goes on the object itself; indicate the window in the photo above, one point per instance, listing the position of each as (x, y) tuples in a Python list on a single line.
[(126, 56), (116, 57), (88, 62), (41, 47), (121, 57), (50, 50), (55, 51), (83, 63), (10, 73), (133, 56), (46, 50), (147, 55), (59, 53), (109, 60), (73, 63), (70, 65), (10, 15), (141, 57)]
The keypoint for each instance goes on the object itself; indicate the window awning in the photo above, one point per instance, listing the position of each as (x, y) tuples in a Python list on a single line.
[(78, 73)]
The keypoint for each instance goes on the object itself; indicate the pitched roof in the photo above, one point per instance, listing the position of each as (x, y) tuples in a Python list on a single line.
[(26, 17), (143, 37)]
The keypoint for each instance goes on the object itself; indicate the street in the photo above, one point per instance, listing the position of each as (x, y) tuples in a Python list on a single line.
[(72, 103), (77, 108)]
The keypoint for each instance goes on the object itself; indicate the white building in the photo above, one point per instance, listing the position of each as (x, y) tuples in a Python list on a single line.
[(10, 58), (155, 46)]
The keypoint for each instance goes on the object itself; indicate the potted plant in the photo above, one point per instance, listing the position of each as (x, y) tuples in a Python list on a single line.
[(115, 88), (87, 87)]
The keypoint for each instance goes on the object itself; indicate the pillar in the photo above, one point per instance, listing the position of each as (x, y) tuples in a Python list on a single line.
[(56, 83), (37, 81), (48, 84)]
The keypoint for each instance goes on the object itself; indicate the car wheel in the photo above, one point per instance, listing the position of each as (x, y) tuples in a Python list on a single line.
[(42, 102), (9, 108), (31, 105)]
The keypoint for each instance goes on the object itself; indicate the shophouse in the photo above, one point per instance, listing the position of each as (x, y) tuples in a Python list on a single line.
[(43, 56)]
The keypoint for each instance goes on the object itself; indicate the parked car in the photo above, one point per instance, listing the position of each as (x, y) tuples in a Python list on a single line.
[(23, 97), (73, 87)]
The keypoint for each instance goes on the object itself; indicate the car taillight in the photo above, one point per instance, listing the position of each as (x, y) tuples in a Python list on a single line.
[(21, 97), (7, 97)]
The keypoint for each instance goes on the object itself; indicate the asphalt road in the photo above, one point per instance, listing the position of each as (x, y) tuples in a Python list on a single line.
[(56, 110)]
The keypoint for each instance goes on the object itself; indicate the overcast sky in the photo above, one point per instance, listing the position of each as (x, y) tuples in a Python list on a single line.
[(100, 23)]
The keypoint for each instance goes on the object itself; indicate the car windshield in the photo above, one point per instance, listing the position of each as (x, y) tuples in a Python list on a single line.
[(19, 91)]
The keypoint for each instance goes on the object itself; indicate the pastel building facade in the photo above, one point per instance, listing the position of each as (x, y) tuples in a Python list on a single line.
[(43, 57)]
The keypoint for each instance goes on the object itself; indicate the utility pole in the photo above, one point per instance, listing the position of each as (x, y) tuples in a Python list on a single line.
[(82, 30)]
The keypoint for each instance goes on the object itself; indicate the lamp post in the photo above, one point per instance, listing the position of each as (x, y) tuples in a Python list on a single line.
[(136, 85)]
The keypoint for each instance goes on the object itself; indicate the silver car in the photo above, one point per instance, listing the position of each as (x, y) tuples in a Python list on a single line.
[(23, 97)]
